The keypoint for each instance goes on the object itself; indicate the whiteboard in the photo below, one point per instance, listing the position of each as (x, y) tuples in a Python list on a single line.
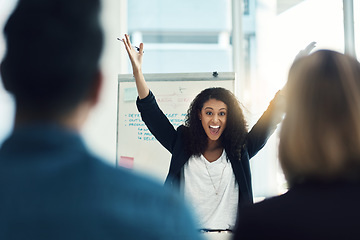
[(136, 147)]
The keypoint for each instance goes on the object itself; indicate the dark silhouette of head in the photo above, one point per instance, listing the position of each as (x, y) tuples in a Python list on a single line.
[(320, 134), (52, 54)]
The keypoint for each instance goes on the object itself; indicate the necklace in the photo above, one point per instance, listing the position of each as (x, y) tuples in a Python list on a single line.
[(212, 182)]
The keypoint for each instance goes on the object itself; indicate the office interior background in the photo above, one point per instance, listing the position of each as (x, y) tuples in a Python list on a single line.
[(257, 39)]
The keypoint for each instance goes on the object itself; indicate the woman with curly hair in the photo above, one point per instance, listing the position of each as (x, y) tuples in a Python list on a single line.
[(211, 151), (231, 137)]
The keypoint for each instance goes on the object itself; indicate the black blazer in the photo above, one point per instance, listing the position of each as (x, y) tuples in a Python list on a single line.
[(173, 141), (312, 210)]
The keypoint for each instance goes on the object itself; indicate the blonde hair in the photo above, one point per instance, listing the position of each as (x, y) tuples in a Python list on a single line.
[(320, 134)]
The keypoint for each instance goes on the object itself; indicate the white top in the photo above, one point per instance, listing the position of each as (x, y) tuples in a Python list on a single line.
[(212, 191)]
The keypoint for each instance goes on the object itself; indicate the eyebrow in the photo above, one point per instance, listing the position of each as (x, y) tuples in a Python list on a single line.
[(213, 109)]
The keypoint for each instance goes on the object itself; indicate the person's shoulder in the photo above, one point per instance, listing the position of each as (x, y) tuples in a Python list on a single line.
[(182, 128), (120, 174), (182, 132), (268, 206), (255, 219), (151, 204), (130, 182)]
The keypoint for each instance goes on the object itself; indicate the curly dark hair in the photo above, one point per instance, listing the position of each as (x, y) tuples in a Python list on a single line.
[(233, 137)]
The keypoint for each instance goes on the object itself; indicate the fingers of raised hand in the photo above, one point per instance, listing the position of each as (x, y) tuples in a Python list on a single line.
[(310, 47)]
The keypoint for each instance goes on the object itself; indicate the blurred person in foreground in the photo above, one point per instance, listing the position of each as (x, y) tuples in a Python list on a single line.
[(319, 152), (51, 186)]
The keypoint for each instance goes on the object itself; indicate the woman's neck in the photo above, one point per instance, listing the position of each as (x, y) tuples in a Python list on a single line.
[(213, 151)]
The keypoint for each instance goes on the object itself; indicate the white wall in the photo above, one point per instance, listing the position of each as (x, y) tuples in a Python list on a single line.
[(6, 102), (100, 129)]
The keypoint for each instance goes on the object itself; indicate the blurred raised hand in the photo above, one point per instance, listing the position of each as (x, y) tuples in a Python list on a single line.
[(306, 51)]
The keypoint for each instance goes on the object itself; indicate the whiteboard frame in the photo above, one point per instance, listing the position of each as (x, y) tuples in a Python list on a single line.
[(198, 76)]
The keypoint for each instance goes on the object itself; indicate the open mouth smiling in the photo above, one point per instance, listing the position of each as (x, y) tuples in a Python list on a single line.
[(214, 129)]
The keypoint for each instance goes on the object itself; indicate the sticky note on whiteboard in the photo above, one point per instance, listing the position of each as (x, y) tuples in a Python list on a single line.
[(130, 94), (127, 162)]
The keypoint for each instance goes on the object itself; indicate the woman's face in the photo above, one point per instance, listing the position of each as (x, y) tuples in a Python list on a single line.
[(213, 118)]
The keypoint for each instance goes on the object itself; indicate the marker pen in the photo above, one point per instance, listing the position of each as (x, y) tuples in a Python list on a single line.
[(137, 48)]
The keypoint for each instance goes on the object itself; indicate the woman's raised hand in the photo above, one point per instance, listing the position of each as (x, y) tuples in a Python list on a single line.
[(306, 51), (134, 55)]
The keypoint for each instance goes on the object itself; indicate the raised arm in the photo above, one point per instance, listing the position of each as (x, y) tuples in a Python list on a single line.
[(136, 63), (302, 53), (156, 121), (268, 122)]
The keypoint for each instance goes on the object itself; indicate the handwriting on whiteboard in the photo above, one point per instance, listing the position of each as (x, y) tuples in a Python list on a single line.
[(133, 120)]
